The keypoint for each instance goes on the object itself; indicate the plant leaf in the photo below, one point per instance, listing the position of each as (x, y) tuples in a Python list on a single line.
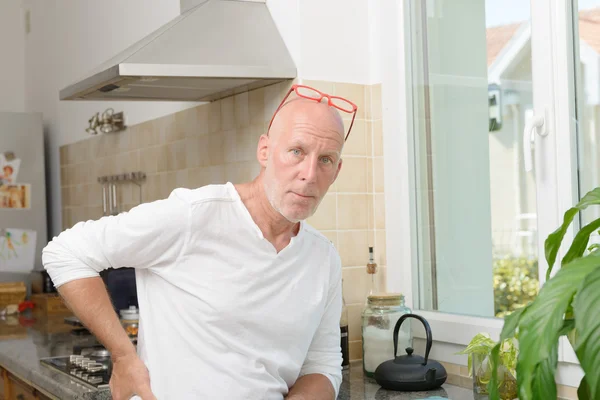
[(539, 327), (567, 327), (583, 392), (480, 344), (493, 392), (587, 325), (544, 386), (511, 322), (508, 356), (553, 241), (580, 242)]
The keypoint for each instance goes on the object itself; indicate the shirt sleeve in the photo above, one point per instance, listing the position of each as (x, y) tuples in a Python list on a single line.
[(149, 235), (325, 353)]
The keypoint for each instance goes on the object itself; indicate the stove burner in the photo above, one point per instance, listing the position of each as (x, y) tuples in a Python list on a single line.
[(92, 370), (101, 353), (89, 364)]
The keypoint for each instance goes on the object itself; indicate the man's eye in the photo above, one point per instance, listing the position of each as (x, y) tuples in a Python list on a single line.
[(326, 160), (296, 152)]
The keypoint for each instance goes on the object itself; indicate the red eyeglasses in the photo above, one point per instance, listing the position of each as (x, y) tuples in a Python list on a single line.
[(307, 92)]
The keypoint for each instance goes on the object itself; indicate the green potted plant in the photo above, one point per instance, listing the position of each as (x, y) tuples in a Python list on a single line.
[(480, 366), (567, 305)]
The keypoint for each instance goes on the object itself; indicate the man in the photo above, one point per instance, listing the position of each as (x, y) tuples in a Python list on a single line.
[(239, 298)]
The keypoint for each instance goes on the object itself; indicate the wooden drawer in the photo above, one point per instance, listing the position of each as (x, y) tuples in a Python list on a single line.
[(21, 391), (13, 388), (3, 383)]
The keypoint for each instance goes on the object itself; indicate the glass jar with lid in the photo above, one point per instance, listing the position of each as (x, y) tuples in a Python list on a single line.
[(130, 319), (379, 318)]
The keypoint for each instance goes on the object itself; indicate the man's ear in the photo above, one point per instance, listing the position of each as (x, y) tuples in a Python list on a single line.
[(262, 150)]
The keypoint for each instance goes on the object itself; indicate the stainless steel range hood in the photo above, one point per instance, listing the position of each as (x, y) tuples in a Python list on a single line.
[(214, 49)]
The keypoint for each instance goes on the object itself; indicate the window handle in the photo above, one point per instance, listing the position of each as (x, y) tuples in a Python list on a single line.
[(534, 124)]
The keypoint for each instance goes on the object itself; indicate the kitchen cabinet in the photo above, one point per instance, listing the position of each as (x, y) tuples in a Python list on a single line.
[(13, 388)]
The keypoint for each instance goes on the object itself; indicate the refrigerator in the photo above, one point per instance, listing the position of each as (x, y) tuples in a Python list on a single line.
[(23, 216)]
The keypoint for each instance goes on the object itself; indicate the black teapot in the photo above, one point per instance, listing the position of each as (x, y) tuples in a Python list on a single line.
[(411, 372)]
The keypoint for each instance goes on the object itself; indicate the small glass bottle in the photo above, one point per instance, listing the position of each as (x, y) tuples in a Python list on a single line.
[(372, 272), (345, 345)]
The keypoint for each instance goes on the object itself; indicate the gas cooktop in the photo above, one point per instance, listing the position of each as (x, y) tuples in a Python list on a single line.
[(91, 369)]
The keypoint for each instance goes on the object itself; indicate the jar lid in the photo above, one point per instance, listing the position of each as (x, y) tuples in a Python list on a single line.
[(131, 313), (386, 299)]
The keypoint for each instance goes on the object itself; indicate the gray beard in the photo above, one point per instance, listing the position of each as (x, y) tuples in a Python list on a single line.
[(270, 198)]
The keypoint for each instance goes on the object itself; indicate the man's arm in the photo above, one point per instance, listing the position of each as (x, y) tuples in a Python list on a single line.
[(312, 387), (98, 314), (321, 373), (151, 235), (88, 299)]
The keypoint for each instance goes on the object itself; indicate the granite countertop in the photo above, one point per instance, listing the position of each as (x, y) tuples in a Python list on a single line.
[(355, 386), (26, 339)]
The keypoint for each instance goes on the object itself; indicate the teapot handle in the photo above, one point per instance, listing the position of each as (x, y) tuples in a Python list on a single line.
[(427, 332)]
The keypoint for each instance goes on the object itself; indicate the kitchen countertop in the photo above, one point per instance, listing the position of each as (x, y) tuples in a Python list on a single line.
[(355, 386), (25, 340)]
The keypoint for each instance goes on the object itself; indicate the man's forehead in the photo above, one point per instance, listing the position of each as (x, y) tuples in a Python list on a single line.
[(297, 109)]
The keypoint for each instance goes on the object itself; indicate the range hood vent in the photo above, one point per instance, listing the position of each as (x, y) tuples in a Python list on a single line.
[(214, 49)]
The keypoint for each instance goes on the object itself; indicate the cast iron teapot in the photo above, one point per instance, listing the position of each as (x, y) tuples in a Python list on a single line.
[(411, 372)]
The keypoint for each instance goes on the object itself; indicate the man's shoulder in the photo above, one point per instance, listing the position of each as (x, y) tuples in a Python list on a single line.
[(321, 240), (308, 228), (203, 194)]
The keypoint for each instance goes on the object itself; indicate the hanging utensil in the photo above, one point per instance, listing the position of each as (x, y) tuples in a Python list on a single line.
[(104, 198), (109, 198), (115, 210)]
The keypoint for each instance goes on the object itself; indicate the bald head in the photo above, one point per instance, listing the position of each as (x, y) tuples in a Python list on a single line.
[(300, 113), (301, 157)]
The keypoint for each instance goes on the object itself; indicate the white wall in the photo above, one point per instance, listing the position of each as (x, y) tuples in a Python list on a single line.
[(330, 40), (12, 48), (69, 38)]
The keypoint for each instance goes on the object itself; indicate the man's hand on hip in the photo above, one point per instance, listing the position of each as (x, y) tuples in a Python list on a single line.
[(312, 387), (130, 377)]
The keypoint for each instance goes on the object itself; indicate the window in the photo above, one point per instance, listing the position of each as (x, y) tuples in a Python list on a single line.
[(586, 44), (475, 201), (460, 82)]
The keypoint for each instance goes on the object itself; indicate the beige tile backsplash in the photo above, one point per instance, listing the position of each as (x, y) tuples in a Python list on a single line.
[(352, 178), (353, 211), (357, 144), (352, 245), (215, 143)]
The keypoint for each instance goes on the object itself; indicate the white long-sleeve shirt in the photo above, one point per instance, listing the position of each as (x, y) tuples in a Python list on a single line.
[(222, 314)]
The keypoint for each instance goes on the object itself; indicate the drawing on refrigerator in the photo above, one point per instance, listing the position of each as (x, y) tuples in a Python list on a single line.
[(17, 250), (15, 196), (9, 169)]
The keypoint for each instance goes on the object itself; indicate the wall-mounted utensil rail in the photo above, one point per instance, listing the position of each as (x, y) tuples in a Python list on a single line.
[(109, 189)]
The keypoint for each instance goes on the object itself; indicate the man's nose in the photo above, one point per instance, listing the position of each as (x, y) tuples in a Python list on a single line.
[(309, 169)]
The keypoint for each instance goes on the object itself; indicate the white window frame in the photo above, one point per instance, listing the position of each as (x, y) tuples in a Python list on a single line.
[(551, 92)]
